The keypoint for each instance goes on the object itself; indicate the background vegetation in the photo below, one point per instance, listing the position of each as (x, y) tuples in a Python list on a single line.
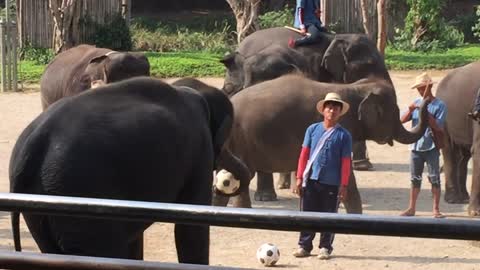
[(178, 47)]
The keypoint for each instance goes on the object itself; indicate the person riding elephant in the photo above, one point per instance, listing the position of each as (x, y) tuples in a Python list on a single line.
[(83, 67), (342, 58), (139, 139), (263, 112), (458, 90), (307, 19)]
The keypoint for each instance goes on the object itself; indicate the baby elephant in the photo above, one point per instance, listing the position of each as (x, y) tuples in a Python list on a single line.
[(83, 67)]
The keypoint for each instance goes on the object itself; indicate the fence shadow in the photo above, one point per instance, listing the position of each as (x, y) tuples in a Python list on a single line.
[(412, 259)]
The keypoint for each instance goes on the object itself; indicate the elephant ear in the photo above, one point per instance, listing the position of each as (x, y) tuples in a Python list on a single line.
[(229, 59), (99, 60), (370, 111), (335, 60)]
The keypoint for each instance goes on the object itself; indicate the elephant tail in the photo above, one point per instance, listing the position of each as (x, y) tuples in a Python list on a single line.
[(15, 218)]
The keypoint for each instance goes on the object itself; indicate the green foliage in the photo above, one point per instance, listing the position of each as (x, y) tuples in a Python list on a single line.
[(476, 27), (425, 29), (451, 58), (12, 11), (30, 71), (465, 24), (150, 36), (207, 64), (114, 34), (39, 56), (185, 64), (278, 18)]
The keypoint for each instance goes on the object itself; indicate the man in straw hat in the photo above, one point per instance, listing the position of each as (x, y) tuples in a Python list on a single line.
[(425, 149), (323, 173)]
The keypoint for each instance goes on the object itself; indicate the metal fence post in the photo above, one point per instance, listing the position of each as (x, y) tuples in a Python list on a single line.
[(14, 56), (2, 54)]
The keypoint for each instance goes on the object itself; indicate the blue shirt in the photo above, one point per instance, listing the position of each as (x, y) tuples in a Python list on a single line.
[(328, 164), (309, 17), (438, 110)]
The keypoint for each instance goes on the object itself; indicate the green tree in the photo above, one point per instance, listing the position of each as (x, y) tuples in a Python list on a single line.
[(426, 29)]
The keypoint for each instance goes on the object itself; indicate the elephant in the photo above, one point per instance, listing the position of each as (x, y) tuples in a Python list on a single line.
[(343, 58), (139, 139), (83, 67), (271, 118), (458, 90)]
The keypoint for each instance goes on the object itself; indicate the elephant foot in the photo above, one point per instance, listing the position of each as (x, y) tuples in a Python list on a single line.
[(283, 185), (220, 200), (240, 202), (474, 211), (265, 196), (362, 165), (453, 198)]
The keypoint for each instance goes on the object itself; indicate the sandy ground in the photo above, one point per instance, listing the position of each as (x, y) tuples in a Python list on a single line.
[(384, 192)]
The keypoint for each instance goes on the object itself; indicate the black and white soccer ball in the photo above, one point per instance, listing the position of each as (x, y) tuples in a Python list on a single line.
[(226, 182), (268, 254)]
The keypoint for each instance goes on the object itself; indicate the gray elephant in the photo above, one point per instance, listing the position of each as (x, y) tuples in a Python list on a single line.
[(271, 119), (462, 141), (264, 55), (138, 139), (83, 67)]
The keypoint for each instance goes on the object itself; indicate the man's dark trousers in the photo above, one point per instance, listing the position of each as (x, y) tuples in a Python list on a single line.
[(318, 197)]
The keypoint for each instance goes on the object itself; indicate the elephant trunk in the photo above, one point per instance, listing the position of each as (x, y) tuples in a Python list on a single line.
[(237, 167), (407, 137)]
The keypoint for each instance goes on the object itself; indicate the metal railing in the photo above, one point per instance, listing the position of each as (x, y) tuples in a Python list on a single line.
[(282, 220)]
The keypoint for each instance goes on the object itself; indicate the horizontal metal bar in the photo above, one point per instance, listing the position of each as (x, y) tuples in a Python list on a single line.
[(280, 220), (28, 261)]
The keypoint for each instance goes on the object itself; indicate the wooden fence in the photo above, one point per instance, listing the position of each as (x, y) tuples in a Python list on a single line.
[(35, 22), (345, 16)]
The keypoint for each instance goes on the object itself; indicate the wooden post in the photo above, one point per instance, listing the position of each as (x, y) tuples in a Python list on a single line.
[(324, 8), (2, 55)]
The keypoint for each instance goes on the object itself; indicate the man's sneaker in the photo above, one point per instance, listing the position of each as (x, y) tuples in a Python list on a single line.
[(324, 254), (300, 253)]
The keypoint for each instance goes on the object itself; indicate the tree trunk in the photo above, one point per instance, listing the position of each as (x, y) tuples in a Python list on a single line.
[(66, 16), (246, 15), (382, 27), (366, 18)]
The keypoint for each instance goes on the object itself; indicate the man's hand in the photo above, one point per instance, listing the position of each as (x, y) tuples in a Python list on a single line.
[(303, 31), (412, 107), (342, 193), (298, 188)]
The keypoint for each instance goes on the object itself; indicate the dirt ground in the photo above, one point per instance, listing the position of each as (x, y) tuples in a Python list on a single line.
[(384, 192)]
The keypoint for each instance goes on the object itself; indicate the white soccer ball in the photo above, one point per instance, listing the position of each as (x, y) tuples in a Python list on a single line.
[(226, 182), (268, 254)]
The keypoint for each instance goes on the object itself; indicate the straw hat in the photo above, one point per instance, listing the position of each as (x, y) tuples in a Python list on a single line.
[(336, 98), (422, 80)]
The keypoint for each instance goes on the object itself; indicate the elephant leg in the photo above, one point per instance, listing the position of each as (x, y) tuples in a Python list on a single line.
[(265, 190), (451, 155), (242, 200), (284, 180), (136, 248), (474, 205), (219, 200), (353, 203), (40, 229), (192, 242), (361, 161), (462, 174), (91, 237)]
